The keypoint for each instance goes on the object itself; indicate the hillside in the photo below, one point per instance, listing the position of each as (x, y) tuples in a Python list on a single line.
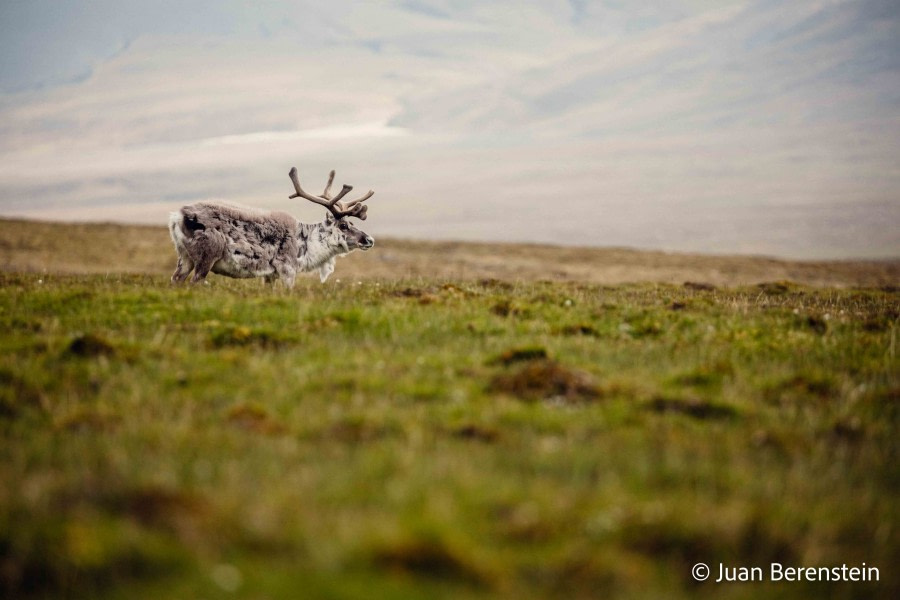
[(31, 246), (440, 420)]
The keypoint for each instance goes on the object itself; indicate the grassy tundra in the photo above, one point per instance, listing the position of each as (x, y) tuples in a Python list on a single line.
[(439, 437)]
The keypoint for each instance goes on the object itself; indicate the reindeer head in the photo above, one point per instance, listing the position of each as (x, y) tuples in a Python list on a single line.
[(338, 230), (344, 234)]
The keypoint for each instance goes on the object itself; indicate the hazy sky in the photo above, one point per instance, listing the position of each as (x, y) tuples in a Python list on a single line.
[(768, 127)]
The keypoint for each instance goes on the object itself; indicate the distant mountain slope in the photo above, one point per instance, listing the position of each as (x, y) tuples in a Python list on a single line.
[(733, 126)]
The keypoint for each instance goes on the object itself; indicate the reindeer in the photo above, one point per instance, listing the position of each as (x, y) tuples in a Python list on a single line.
[(242, 242)]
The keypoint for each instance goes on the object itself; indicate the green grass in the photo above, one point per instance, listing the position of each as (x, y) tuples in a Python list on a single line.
[(428, 439)]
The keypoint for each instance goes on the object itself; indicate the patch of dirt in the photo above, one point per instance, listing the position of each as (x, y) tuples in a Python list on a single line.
[(578, 329), (775, 288), (692, 407), (880, 322), (90, 345), (355, 431), (515, 355), (409, 293), (546, 379), (492, 282), (241, 335), (800, 387), (816, 323), (426, 558), (705, 376), (848, 430), (478, 433), (159, 507), (16, 395), (503, 308), (256, 419)]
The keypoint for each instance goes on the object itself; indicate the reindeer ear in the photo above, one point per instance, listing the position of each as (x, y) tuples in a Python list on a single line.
[(329, 219)]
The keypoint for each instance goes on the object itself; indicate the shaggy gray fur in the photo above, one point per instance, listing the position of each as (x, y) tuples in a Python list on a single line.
[(243, 242)]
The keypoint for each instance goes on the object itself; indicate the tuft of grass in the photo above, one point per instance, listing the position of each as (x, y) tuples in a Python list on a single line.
[(16, 395), (242, 335)]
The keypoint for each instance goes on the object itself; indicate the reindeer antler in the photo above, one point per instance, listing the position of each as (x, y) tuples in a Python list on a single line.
[(354, 208)]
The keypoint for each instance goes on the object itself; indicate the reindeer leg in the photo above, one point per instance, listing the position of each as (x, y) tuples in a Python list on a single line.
[(209, 248), (286, 272), (203, 264), (288, 276), (183, 269), (326, 270), (201, 271)]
